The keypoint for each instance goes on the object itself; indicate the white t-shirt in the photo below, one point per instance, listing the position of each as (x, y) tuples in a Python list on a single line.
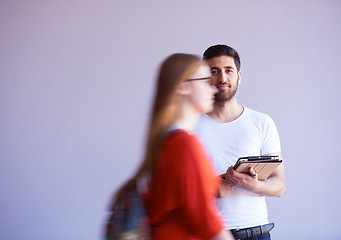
[(253, 133)]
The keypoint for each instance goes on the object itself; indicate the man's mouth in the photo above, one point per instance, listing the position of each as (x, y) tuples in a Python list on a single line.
[(222, 86)]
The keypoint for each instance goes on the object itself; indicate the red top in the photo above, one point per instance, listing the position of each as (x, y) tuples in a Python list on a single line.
[(181, 201)]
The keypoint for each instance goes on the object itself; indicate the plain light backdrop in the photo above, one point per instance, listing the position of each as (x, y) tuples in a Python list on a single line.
[(76, 85)]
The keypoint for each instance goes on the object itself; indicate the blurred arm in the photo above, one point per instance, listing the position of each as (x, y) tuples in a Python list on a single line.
[(224, 235)]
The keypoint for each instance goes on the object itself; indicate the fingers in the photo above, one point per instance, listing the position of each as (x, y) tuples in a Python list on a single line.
[(229, 171), (253, 173), (229, 176)]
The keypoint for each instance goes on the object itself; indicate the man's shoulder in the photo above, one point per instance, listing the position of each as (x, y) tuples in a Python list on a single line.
[(255, 114), (258, 118)]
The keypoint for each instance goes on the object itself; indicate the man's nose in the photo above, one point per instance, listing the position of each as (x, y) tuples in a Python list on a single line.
[(222, 77)]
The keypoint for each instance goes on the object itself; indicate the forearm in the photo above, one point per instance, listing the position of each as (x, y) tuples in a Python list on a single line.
[(273, 186), (223, 235)]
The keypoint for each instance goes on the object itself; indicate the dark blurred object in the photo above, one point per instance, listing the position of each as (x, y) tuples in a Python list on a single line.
[(128, 219)]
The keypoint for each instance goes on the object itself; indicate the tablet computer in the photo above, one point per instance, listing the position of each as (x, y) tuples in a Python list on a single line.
[(263, 165)]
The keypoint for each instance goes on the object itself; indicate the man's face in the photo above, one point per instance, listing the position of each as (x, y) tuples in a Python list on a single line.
[(225, 76)]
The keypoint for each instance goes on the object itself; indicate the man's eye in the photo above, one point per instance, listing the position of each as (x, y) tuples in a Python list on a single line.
[(229, 71), (214, 72)]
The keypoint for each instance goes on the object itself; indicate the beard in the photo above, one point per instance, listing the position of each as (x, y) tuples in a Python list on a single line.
[(226, 95)]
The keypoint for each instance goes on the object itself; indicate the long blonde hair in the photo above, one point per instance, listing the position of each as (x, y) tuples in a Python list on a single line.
[(176, 69)]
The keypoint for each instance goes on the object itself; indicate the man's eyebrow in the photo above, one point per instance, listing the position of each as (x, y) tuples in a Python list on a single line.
[(228, 67)]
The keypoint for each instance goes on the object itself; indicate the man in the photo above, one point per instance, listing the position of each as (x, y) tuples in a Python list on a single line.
[(231, 131)]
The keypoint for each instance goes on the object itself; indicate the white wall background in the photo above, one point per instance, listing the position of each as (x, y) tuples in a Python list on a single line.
[(76, 83)]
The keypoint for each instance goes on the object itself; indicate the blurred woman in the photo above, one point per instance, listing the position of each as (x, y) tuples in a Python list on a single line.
[(183, 186)]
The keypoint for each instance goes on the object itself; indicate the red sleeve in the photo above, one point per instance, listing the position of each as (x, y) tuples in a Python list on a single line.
[(185, 183)]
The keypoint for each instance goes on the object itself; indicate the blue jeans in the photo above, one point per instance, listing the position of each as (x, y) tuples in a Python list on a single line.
[(265, 236)]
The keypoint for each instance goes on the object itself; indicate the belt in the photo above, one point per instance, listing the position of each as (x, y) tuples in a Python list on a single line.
[(245, 233)]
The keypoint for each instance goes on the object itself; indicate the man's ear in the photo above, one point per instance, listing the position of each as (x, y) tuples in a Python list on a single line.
[(239, 77), (183, 89)]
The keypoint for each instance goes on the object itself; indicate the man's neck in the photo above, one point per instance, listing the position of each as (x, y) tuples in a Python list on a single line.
[(226, 112)]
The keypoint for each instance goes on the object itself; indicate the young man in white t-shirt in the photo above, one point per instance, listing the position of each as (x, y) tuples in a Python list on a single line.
[(231, 131)]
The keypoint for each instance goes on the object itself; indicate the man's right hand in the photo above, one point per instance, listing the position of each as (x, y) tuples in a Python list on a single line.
[(225, 188)]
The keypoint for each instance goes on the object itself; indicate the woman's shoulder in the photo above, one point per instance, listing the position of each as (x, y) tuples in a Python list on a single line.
[(180, 136), (181, 142)]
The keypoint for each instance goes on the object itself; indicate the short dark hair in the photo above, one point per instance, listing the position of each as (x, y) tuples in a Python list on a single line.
[(222, 50)]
